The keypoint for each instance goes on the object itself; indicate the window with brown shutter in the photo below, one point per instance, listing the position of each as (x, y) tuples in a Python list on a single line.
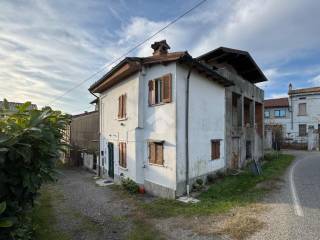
[(302, 109), (215, 149), (122, 105), (156, 153), (160, 90), (123, 154)]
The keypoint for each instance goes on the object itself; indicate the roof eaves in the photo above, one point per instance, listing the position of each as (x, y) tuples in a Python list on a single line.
[(192, 62), (114, 69)]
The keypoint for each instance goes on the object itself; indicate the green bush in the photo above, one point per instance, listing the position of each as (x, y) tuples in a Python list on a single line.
[(129, 185), (30, 144)]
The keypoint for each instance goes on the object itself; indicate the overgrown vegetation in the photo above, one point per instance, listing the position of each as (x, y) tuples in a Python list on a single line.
[(129, 185), (44, 220), (30, 144), (226, 193)]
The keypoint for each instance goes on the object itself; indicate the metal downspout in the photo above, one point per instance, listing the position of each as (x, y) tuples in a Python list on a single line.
[(187, 132)]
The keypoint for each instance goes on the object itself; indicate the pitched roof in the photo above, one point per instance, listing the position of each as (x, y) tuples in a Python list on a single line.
[(305, 90), (131, 65), (276, 102), (242, 62)]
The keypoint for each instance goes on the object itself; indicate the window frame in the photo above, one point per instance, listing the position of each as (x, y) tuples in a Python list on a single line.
[(158, 145), (215, 146), (305, 131), (266, 111), (280, 111), (157, 90), (305, 109)]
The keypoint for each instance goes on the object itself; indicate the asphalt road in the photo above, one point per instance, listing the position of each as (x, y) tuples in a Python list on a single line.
[(295, 207)]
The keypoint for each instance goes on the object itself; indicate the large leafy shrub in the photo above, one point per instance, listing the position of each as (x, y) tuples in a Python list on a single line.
[(30, 143)]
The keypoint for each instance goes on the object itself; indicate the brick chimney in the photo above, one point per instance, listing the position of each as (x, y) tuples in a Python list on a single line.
[(160, 48)]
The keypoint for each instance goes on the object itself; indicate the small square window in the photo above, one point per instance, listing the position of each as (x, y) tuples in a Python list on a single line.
[(266, 114), (156, 153), (215, 149)]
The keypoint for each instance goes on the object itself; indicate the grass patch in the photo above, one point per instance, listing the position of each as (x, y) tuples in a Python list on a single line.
[(227, 193), (43, 218), (143, 231)]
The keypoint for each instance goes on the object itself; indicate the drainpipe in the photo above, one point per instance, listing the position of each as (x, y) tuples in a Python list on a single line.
[(291, 112), (187, 132)]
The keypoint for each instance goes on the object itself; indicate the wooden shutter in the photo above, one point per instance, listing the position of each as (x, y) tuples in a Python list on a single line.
[(123, 155), (166, 88), (152, 152), (159, 153), (151, 92), (124, 105), (215, 149), (120, 107)]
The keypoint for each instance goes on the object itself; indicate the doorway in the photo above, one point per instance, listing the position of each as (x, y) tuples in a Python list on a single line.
[(235, 158), (110, 160)]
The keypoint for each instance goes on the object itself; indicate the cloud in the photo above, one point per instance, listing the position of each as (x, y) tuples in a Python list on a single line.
[(278, 95), (50, 46), (316, 80)]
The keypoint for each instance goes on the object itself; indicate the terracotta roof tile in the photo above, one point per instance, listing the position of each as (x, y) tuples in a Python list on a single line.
[(276, 102), (305, 90)]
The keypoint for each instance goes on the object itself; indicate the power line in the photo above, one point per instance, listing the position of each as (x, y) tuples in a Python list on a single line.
[(131, 50)]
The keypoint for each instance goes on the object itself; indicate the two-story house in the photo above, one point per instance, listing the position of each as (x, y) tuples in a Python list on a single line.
[(296, 114), (163, 117), (277, 113)]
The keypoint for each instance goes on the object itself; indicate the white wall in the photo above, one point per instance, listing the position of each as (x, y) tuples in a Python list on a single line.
[(206, 122), (159, 124), (87, 160), (113, 130), (285, 122), (313, 113)]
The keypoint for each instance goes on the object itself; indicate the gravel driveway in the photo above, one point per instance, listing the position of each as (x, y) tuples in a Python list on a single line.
[(88, 212)]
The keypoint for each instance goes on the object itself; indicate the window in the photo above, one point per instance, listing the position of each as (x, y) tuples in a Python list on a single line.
[(156, 153), (123, 154), (215, 149), (122, 114), (302, 109), (302, 130), (280, 113), (266, 114), (160, 90)]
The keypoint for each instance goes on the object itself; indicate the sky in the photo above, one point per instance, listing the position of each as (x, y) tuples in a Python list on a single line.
[(48, 47)]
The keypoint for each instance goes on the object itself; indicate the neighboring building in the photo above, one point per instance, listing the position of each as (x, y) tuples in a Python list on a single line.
[(165, 120), (296, 114), (13, 106), (83, 133), (277, 113)]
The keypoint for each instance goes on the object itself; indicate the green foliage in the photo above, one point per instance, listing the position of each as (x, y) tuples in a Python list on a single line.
[(129, 185), (4, 221), (30, 143), (226, 193)]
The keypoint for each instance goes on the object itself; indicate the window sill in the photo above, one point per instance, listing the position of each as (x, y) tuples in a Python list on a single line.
[(122, 119), (123, 168), (158, 104), (301, 115), (157, 165)]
